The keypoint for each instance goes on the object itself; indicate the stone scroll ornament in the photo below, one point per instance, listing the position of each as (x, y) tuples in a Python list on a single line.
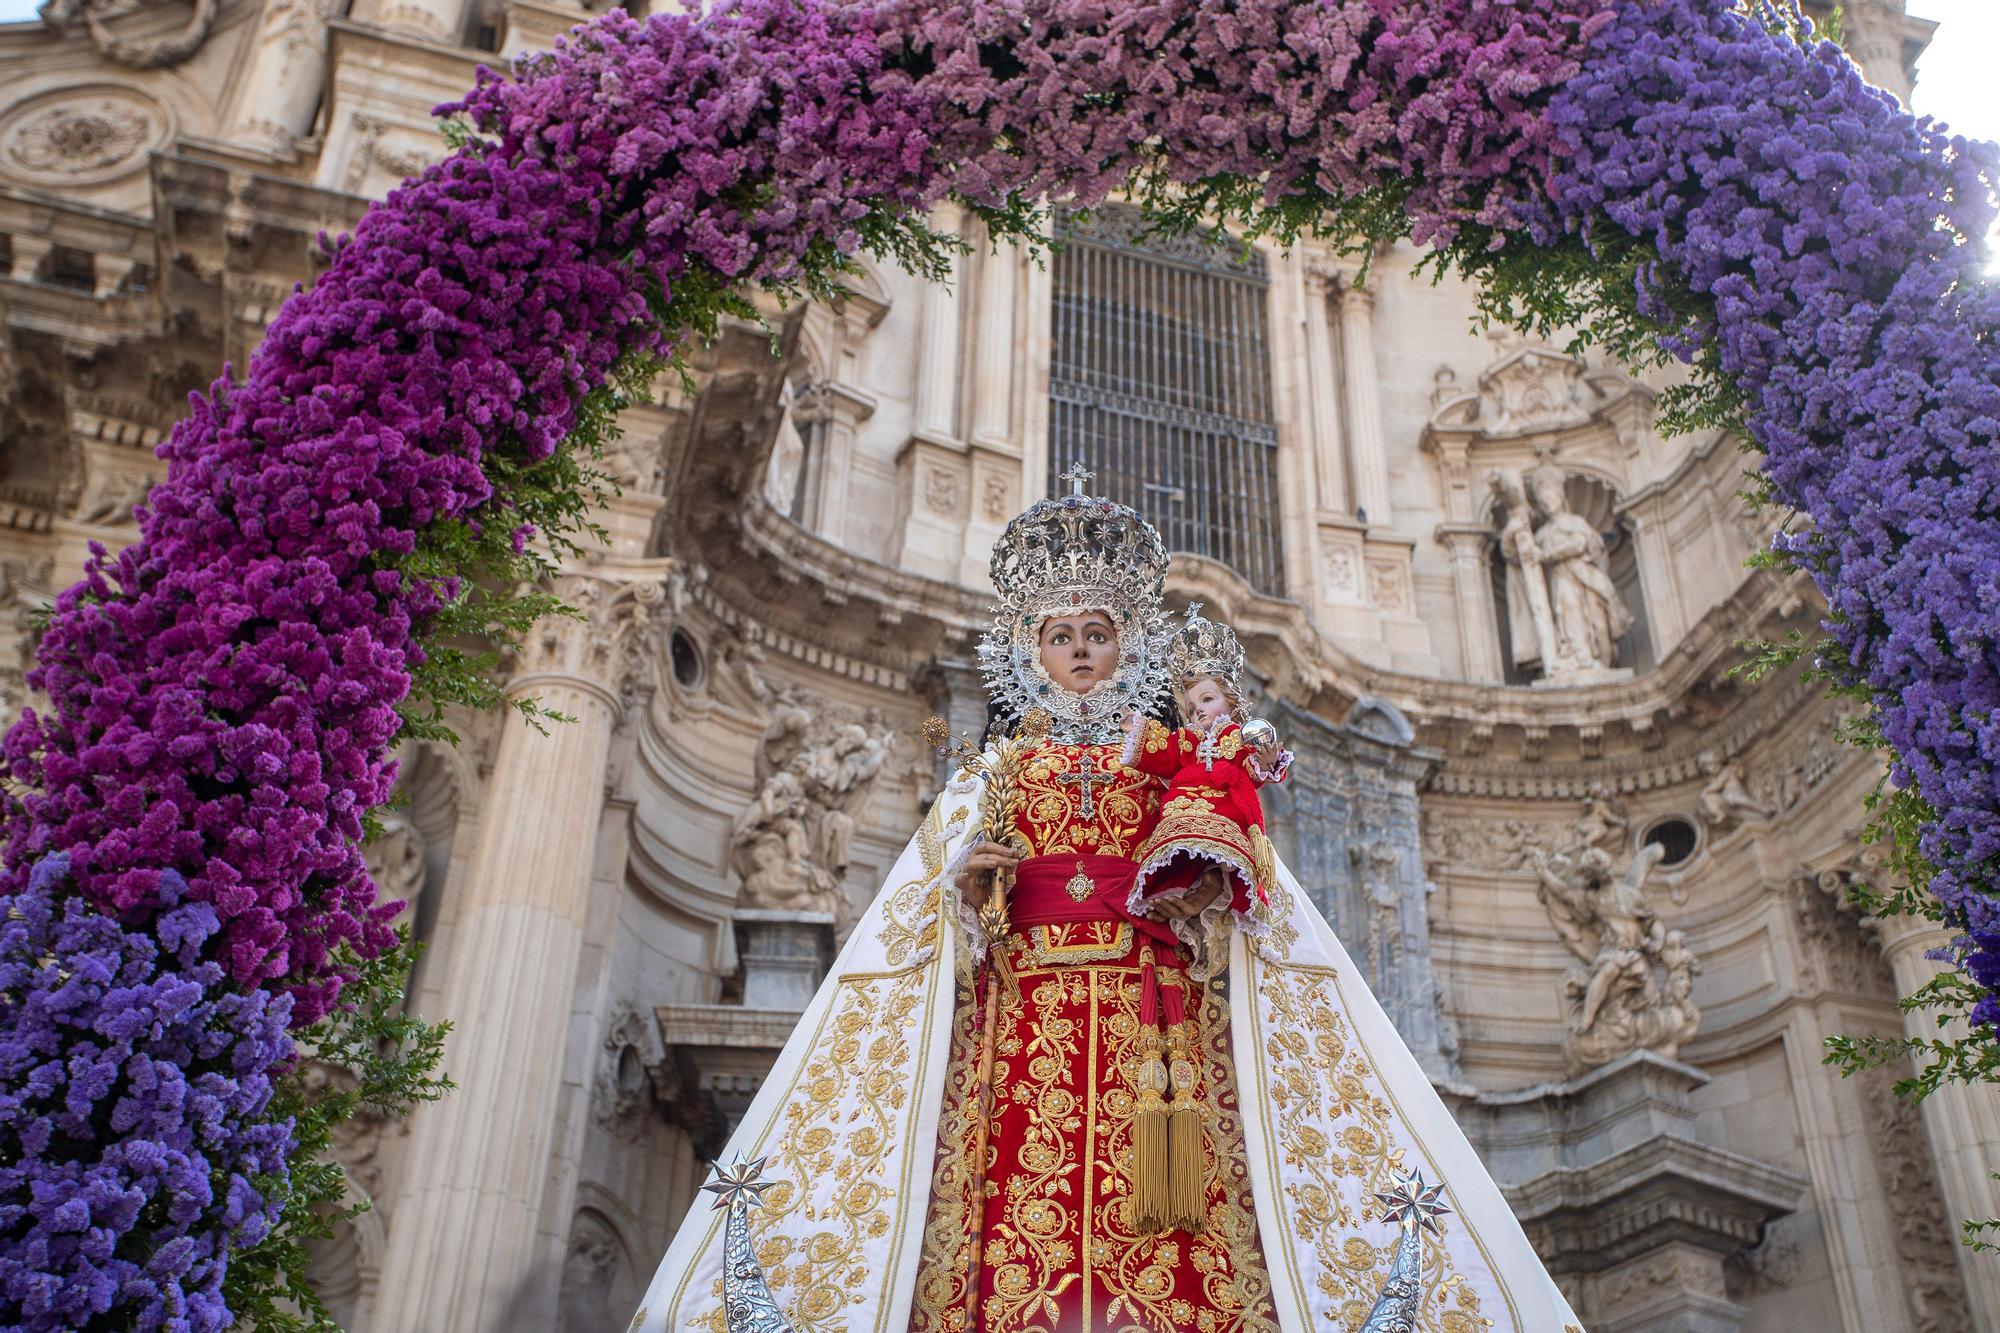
[(222, 694)]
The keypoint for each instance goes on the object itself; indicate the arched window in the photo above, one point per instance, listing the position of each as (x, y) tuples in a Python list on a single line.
[(1160, 383)]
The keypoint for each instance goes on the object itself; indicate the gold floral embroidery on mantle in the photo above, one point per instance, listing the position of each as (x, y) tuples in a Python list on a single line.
[(1338, 1143), (911, 916), (845, 1159)]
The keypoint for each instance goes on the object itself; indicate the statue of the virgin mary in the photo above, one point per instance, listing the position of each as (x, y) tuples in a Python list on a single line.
[(1083, 1067)]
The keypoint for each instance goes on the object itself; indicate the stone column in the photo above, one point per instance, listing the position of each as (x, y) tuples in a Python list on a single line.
[(1658, 580), (1963, 1121), (464, 1257), (996, 284), (1365, 444), (279, 92), (1323, 390), (1472, 591), (938, 342)]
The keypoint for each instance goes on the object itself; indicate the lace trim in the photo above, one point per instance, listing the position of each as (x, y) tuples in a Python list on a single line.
[(1202, 933), (1279, 772), (969, 928)]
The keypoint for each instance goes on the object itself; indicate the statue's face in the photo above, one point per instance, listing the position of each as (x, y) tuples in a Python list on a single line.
[(1079, 651), (1549, 496), (1207, 701)]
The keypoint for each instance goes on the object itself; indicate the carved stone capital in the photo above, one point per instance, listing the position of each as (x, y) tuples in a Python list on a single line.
[(603, 643)]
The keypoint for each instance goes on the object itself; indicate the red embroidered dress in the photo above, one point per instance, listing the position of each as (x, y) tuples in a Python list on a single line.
[(1087, 994), (1210, 815)]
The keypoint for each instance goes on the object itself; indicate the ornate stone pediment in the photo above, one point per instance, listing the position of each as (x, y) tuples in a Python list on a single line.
[(1527, 391)]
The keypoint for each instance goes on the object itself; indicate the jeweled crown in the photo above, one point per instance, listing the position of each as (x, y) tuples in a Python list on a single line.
[(1078, 550), (1204, 647), (1073, 553)]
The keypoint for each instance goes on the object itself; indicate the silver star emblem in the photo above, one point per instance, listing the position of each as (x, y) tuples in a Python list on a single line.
[(739, 1180), (1410, 1200)]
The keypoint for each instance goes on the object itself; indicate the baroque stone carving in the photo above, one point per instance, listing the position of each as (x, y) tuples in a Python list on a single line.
[(607, 640), (1780, 787), (1925, 1245), (1838, 942), (81, 136), (622, 1090), (23, 590), (1480, 844), (996, 498), (940, 491), (137, 53), (592, 1273), (1633, 987), (378, 150), (110, 497), (814, 769), (1727, 799), (395, 859), (1376, 863), (1343, 580), (1564, 614)]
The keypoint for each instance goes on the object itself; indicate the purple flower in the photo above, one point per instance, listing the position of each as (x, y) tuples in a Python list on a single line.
[(132, 1080)]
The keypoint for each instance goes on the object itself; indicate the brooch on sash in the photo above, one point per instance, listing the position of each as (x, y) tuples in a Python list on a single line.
[(1079, 887)]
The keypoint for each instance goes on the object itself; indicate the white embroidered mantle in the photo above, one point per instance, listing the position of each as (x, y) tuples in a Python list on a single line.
[(1332, 1102)]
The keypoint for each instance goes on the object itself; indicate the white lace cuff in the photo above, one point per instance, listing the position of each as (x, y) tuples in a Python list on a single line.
[(1278, 772)]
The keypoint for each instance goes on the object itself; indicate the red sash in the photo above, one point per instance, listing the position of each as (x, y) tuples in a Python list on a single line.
[(1042, 896)]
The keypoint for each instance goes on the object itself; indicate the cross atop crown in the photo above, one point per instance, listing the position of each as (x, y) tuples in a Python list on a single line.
[(1076, 477)]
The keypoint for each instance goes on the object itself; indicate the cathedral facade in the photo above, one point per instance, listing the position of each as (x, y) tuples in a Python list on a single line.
[(1597, 878)]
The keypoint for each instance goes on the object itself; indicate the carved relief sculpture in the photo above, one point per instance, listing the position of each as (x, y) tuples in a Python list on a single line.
[(1633, 986), (1727, 799), (790, 847)]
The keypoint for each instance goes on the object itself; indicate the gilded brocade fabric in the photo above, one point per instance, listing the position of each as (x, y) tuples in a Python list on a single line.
[(1207, 814), (1059, 1255), (1124, 802)]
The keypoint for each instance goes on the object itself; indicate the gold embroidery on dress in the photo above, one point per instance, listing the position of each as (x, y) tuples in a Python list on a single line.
[(1080, 942), (1051, 816), (1138, 1270)]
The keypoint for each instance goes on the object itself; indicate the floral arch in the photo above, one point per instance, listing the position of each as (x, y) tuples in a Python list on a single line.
[(224, 694)]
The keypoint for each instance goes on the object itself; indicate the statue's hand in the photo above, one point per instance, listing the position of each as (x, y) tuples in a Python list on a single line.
[(975, 875), (1195, 901)]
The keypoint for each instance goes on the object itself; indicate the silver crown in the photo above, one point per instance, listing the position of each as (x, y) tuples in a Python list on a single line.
[(1203, 647), (1070, 554)]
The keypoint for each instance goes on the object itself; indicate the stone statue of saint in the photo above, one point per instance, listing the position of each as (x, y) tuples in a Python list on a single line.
[(1589, 615)]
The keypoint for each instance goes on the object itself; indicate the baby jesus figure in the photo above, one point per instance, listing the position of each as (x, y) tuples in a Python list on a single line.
[(1211, 818)]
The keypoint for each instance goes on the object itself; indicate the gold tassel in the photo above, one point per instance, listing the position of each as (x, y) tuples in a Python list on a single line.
[(1146, 1210), (1187, 1173)]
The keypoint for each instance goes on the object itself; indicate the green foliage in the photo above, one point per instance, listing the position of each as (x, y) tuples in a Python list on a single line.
[(367, 1057)]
